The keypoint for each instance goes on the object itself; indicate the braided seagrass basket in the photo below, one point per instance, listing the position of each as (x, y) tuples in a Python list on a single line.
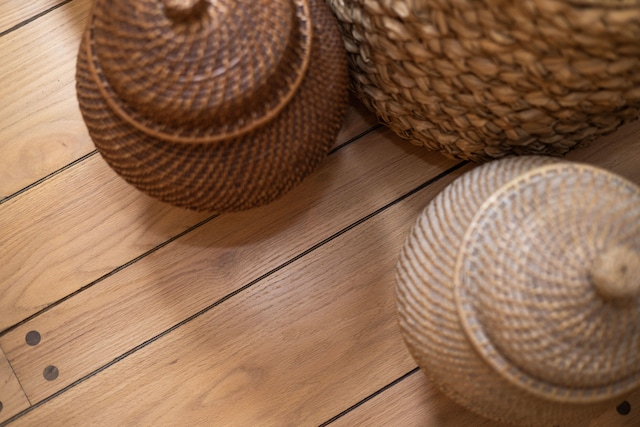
[(212, 105), (518, 291), (481, 79)]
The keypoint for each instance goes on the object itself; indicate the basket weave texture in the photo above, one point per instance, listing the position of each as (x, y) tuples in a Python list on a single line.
[(484, 79), (518, 291), (218, 106)]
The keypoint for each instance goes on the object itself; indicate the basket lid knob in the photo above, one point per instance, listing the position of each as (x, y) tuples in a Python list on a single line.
[(543, 304), (616, 274), (181, 9)]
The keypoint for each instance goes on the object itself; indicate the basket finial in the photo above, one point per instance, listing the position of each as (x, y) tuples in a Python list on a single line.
[(616, 273), (181, 9)]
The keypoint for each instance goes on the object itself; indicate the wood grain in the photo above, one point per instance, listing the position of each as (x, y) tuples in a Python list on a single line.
[(14, 12), (415, 402), (219, 257), (618, 152), (12, 398), (289, 350), (41, 129), (357, 121), (102, 224), (283, 315), (613, 418)]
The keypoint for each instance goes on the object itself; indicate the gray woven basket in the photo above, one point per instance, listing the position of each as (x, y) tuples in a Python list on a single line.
[(481, 79), (518, 291)]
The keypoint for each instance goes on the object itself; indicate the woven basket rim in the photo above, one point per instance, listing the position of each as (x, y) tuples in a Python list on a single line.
[(606, 4), (479, 338)]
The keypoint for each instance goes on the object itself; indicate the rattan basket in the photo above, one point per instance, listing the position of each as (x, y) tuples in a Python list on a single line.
[(518, 291), (482, 79), (212, 105)]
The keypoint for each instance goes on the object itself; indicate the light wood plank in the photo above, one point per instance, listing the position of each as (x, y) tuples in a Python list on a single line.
[(12, 398), (613, 418), (81, 225), (290, 350), (85, 222), (357, 120), (627, 164), (41, 128), (415, 402), (618, 152), (13, 12), (98, 325)]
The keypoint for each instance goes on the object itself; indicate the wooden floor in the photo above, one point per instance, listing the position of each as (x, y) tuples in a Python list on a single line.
[(116, 309)]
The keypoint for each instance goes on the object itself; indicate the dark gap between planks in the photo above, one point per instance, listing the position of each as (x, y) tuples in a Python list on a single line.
[(143, 255), (371, 396), (241, 289), (33, 18)]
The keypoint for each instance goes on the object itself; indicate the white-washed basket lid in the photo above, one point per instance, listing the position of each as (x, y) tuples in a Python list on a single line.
[(518, 290), (548, 282)]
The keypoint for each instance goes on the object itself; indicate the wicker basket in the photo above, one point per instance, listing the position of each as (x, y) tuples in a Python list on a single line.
[(217, 106), (483, 79), (518, 291)]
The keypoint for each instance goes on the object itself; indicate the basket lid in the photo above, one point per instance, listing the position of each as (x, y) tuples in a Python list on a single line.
[(547, 283), (196, 71)]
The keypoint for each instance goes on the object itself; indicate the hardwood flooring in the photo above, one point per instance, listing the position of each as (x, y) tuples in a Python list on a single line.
[(116, 309)]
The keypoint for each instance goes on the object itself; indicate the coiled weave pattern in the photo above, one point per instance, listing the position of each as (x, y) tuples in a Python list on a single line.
[(496, 295), (208, 119), (482, 79)]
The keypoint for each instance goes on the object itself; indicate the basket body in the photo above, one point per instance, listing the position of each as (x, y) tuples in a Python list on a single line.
[(484, 79), (206, 115), (495, 296)]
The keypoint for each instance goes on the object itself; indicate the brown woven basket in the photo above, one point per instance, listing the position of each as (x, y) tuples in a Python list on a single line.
[(484, 79), (518, 291), (218, 106)]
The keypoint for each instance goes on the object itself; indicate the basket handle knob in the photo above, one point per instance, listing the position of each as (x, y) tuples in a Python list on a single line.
[(183, 9), (616, 274)]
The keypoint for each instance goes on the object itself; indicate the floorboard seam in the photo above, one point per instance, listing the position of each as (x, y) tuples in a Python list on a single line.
[(371, 396), (33, 18), (4, 354), (238, 291), (86, 156), (355, 138), (141, 256), (106, 275), (47, 177)]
